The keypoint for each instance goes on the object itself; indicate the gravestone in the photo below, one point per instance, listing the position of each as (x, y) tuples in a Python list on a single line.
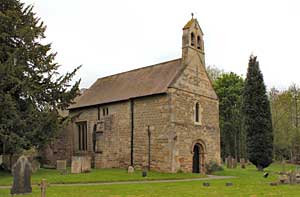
[(1, 159), (21, 176), (130, 169), (76, 165), (61, 165), (206, 184), (234, 163), (85, 164), (243, 163), (229, 162), (80, 164)]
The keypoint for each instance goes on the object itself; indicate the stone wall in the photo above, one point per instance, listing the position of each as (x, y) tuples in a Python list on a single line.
[(114, 143), (188, 132)]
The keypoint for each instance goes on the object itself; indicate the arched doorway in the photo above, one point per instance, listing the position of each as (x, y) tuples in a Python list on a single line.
[(198, 159)]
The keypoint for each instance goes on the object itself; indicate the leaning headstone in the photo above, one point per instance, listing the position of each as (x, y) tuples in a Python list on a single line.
[(130, 169), (85, 164), (76, 165), (243, 163), (21, 176)]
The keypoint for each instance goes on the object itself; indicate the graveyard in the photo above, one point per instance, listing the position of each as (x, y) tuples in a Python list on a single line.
[(242, 182)]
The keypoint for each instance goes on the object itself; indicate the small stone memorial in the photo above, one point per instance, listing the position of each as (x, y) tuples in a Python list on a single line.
[(234, 163), (85, 164), (130, 169), (243, 163), (61, 165), (76, 165), (80, 164), (21, 172), (1, 159)]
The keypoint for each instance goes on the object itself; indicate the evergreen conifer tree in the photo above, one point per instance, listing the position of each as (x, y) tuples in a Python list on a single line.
[(257, 117), (31, 90)]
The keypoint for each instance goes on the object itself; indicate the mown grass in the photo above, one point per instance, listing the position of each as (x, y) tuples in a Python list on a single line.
[(248, 182), (96, 176)]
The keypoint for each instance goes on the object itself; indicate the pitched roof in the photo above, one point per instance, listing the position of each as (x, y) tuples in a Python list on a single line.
[(140, 82), (189, 23)]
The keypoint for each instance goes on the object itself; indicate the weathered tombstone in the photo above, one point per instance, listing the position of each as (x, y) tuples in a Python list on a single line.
[(85, 164), (229, 162), (234, 163), (130, 169), (76, 165), (21, 176), (243, 163), (206, 184), (61, 165), (1, 159)]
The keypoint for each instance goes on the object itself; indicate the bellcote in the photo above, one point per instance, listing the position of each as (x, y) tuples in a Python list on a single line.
[(192, 36)]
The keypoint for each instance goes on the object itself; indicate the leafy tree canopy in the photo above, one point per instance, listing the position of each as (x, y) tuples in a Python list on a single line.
[(31, 90)]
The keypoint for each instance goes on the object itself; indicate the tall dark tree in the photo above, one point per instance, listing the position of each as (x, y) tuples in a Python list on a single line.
[(229, 88), (257, 117), (31, 90)]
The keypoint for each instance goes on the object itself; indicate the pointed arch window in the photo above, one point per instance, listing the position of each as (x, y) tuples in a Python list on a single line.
[(192, 39), (198, 42)]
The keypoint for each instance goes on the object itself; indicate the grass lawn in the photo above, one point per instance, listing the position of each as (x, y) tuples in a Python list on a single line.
[(249, 182), (96, 175)]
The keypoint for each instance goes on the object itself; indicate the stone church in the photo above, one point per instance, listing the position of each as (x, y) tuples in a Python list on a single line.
[(163, 117)]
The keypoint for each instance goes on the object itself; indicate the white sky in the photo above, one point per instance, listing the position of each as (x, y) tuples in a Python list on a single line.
[(109, 37)]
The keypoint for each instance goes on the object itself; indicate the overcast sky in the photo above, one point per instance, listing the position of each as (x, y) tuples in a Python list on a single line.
[(109, 37)]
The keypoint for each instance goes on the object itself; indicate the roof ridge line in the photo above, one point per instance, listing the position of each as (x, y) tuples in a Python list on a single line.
[(139, 68)]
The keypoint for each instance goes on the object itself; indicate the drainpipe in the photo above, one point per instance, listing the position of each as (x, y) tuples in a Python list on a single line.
[(149, 148), (132, 129)]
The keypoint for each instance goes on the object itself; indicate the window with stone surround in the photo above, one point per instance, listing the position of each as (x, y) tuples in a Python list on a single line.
[(82, 136), (105, 111), (197, 113)]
